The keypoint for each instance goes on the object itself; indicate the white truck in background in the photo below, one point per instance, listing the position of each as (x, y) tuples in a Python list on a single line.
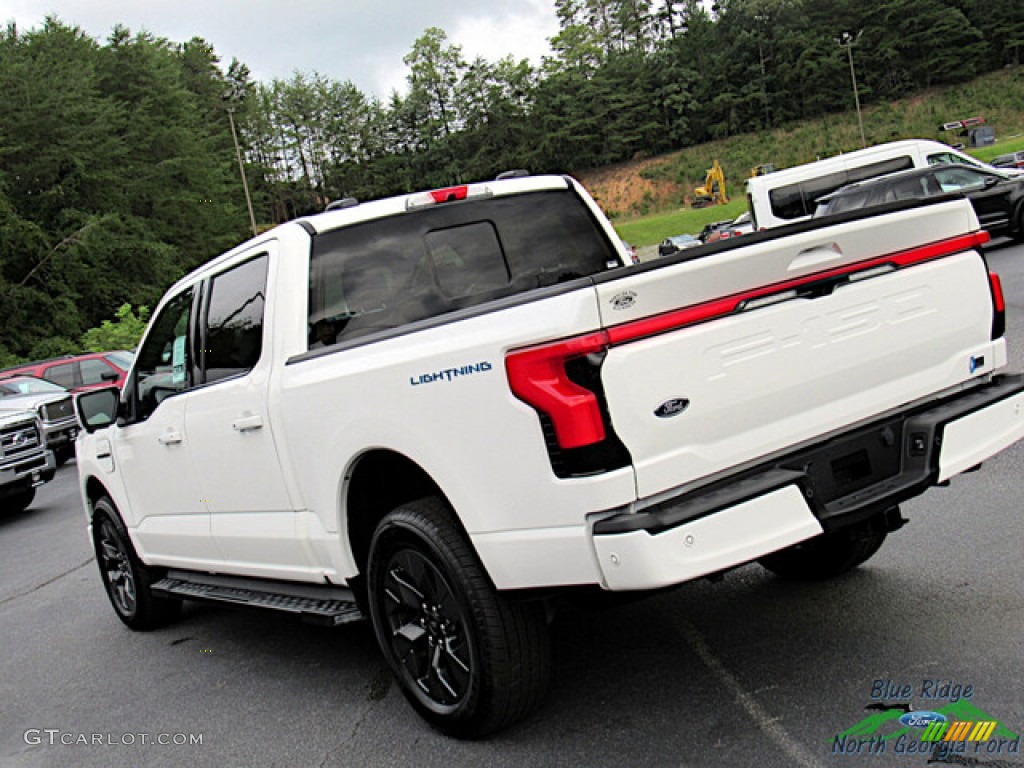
[(444, 410), (25, 461), (791, 195)]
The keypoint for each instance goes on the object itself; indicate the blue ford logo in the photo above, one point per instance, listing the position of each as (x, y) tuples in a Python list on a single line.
[(672, 407), (921, 719)]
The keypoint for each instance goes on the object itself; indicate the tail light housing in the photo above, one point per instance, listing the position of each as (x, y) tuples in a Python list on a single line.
[(561, 381), (998, 306), (539, 377)]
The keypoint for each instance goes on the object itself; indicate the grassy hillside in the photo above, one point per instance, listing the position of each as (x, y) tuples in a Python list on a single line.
[(648, 199)]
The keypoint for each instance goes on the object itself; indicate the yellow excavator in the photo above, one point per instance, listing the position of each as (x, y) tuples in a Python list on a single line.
[(713, 191)]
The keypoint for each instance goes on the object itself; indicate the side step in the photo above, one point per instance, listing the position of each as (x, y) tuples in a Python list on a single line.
[(328, 606)]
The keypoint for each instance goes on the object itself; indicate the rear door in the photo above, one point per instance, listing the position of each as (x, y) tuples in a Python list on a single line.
[(252, 519), (720, 360)]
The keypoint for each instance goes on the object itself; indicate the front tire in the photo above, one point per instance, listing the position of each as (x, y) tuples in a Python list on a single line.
[(826, 556), (18, 502), (126, 580), (468, 659)]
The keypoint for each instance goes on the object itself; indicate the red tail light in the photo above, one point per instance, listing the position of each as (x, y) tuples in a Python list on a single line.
[(998, 306), (538, 376)]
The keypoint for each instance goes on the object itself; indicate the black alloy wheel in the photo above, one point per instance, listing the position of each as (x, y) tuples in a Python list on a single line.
[(116, 569), (469, 659), (428, 630), (126, 579)]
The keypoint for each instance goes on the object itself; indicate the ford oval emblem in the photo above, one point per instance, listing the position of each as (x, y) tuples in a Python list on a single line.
[(672, 407), (623, 300), (921, 719)]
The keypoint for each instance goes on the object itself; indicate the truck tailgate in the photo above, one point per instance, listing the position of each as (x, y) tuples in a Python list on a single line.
[(725, 358)]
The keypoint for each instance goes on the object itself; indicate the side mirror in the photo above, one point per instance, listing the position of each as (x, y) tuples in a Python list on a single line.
[(990, 181), (97, 408)]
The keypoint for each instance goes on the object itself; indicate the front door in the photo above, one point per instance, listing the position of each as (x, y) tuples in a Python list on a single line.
[(166, 507)]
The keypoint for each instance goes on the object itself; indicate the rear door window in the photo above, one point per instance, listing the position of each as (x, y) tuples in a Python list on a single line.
[(96, 371), (233, 329), (63, 374)]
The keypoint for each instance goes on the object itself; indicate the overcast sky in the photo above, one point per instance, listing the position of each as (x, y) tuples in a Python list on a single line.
[(359, 40)]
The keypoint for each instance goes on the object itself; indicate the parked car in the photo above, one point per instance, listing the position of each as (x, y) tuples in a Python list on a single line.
[(705, 235), (677, 243), (631, 252), (791, 194), (53, 404), (80, 372), (998, 199), (1012, 160), (741, 225), (25, 463)]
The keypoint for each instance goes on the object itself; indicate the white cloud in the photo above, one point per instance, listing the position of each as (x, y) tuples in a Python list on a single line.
[(358, 40)]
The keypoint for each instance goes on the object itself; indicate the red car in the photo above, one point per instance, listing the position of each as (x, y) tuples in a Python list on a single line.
[(79, 372)]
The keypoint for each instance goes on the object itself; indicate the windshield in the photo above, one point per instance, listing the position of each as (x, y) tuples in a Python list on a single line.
[(953, 158), (122, 359), (22, 385)]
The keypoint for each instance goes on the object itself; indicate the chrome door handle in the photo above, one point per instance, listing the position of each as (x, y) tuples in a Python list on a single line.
[(247, 423)]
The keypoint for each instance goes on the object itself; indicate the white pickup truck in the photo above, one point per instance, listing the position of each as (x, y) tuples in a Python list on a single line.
[(443, 410), (25, 461)]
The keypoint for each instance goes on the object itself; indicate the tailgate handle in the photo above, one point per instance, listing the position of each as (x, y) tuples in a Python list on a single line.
[(247, 423), (816, 256)]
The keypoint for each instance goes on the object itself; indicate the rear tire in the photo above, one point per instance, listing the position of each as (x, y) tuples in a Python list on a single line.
[(126, 580), (826, 556), (468, 659), (18, 502)]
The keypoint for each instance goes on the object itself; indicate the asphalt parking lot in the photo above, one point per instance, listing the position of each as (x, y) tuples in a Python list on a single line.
[(747, 671)]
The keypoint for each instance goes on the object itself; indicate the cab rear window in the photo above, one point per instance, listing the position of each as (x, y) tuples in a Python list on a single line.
[(389, 272)]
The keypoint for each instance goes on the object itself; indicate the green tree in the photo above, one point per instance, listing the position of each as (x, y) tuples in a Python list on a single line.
[(123, 332)]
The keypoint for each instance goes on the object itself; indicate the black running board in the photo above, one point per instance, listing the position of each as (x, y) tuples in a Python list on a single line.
[(329, 606)]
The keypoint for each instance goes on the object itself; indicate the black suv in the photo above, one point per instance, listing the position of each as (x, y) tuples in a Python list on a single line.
[(997, 199)]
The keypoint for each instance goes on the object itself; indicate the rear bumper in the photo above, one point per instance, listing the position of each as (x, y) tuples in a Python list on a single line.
[(834, 483)]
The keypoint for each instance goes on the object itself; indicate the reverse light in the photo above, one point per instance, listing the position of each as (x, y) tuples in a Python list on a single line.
[(539, 377)]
